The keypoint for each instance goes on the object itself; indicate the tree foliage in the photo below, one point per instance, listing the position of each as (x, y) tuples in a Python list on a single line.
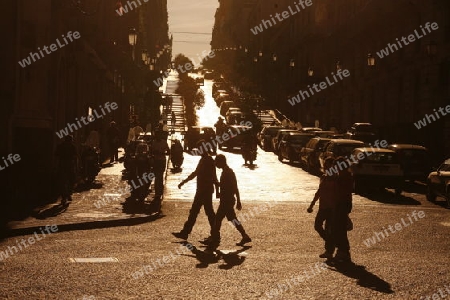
[(180, 62), (193, 98)]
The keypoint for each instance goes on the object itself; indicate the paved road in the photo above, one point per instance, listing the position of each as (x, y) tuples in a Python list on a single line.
[(144, 261)]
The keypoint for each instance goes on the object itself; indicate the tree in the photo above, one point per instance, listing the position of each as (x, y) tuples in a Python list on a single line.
[(193, 98), (183, 64)]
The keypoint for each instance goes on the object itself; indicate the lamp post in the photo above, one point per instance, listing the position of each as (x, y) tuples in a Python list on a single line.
[(132, 39)]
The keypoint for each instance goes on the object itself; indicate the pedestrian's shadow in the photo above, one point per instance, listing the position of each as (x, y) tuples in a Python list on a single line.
[(365, 278), (133, 207), (385, 196), (250, 166), (52, 211), (208, 257), (232, 259)]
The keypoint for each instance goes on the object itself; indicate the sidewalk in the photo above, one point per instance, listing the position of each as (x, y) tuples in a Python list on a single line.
[(97, 207), (102, 204)]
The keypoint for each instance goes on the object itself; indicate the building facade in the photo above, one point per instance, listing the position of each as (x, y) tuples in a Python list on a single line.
[(77, 76), (392, 84)]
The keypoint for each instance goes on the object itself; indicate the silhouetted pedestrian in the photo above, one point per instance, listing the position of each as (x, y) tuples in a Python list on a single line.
[(67, 162), (228, 190), (113, 136), (343, 208), (206, 180), (326, 194)]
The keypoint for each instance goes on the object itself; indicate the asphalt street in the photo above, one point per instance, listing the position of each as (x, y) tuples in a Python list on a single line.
[(400, 245)]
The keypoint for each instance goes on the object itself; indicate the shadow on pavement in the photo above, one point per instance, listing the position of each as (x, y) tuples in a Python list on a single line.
[(250, 167), (85, 225), (208, 257), (388, 197), (364, 278), (51, 211), (415, 187), (132, 207)]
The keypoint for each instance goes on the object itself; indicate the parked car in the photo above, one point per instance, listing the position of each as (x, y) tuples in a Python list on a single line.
[(309, 154), (338, 147), (219, 92), (266, 135), (218, 86), (224, 106), (291, 145), (414, 159), (438, 183), (197, 133), (221, 97), (236, 134), (233, 117), (309, 129), (364, 132), (277, 139), (376, 168), (324, 134)]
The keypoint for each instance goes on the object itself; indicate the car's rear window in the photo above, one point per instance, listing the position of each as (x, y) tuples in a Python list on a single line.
[(381, 157), (344, 149), (445, 166), (299, 139)]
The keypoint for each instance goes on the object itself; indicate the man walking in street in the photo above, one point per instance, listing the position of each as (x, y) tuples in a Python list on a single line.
[(228, 189), (343, 208), (206, 180), (326, 194)]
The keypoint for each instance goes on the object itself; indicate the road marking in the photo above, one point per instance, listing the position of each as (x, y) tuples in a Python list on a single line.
[(93, 259), (94, 215)]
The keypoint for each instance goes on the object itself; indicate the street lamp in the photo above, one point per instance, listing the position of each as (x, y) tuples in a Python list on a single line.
[(292, 63), (274, 57), (370, 60), (255, 59), (132, 39), (338, 65), (310, 72), (260, 54)]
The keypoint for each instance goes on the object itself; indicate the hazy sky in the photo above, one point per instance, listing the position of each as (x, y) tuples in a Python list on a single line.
[(191, 16)]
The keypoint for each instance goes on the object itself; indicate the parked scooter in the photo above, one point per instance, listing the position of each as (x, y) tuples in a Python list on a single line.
[(176, 154), (90, 163)]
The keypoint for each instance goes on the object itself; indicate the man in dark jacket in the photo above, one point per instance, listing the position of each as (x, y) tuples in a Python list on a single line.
[(343, 208), (229, 196), (206, 180)]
